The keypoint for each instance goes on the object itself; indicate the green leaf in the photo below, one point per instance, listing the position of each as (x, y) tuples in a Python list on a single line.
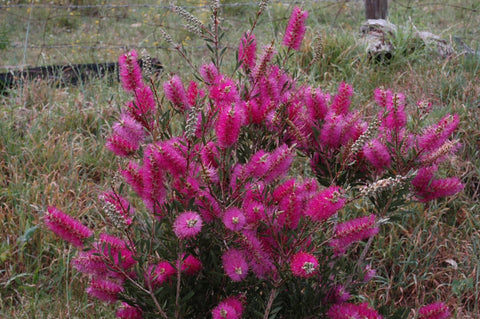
[(210, 48)]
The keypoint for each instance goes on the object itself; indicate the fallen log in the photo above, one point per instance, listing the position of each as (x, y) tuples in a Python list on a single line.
[(71, 74)]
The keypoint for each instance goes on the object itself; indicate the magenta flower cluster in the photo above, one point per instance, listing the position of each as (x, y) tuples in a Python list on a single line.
[(295, 29), (66, 227), (221, 202), (437, 310)]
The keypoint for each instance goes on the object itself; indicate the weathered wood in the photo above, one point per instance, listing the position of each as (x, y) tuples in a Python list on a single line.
[(377, 36), (63, 75), (376, 9)]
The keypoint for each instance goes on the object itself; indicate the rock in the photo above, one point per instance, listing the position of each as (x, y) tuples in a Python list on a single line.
[(466, 50), (378, 37), (431, 40)]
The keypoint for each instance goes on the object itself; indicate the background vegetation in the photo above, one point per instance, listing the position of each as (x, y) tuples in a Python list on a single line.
[(52, 138)]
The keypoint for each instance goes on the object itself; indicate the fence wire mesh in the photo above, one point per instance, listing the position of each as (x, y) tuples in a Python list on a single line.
[(85, 31)]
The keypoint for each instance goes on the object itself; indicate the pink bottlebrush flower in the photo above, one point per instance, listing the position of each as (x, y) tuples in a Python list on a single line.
[(230, 308), (144, 101), (239, 176), (309, 189), (285, 189), (408, 141), (224, 93), (187, 224), (120, 146), (145, 120), (257, 110), (394, 116), (258, 164), (130, 72), (384, 98), (126, 311), (341, 102), (274, 85), (270, 87), (261, 67), (443, 187), (119, 205), (278, 163), (437, 310), (295, 29), (435, 135), (349, 311), (175, 93), (228, 126), (291, 208), (143, 108), (156, 275), (325, 203), (352, 231), (247, 51), (236, 304), (295, 109), (129, 129), (254, 191), (224, 311), (303, 265), (377, 154), (134, 177), (421, 182), (66, 227), (352, 128), (192, 93), (300, 131), (254, 211), (153, 193), (111, 242), (426, 187), (207, 206), (316, 103), (115, 251), (90, 262), (209, 73), (234, 219), (235, 264), (338, 295), (188, 188), (370, 273), (191, 265), (105, 289), (258, 259), (252, 205), (170, 156), (210, 155), (331, 132)]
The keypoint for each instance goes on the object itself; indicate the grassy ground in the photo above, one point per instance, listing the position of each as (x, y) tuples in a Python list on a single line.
[(51, 141)]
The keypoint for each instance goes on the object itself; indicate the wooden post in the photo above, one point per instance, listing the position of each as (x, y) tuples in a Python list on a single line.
[(376, 9)]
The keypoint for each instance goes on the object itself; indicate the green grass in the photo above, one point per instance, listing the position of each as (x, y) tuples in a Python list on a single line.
[(51, 152), (51, 143)]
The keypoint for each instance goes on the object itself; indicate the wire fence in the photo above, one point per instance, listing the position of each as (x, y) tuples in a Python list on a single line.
[(157, 6), (39, 33)]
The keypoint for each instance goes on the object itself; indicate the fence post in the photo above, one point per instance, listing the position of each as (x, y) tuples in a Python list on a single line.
[(376, 9)]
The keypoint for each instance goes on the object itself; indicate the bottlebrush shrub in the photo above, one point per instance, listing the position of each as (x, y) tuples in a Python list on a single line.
[(229, 223)]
